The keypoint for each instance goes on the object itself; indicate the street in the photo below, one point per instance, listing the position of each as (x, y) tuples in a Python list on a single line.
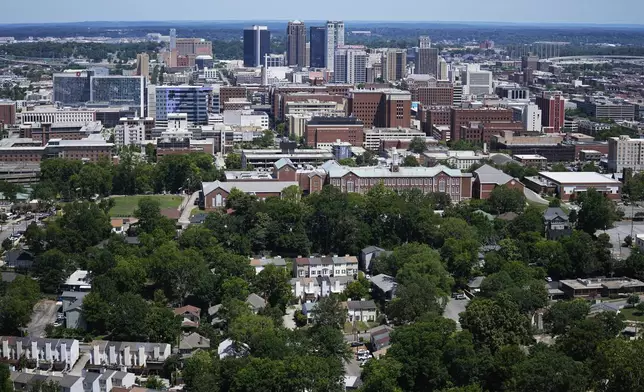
[(619, 232), (12, 227), (44, 313)]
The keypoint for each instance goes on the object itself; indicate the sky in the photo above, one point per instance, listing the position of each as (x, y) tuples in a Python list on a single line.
[(516, 11)]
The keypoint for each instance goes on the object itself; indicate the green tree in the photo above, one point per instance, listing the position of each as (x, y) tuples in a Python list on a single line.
[(273, 283), (201, 372), (150, 219), (233, 161), (329, 313), (619, 366), (154, 382), (546, 369), (7, 244), (597, 212), (357, 290), (563, 315), (348, 162), (559, 167), (381, 375), (633, 300), (504, 199), (410, 161), (417, 145), (17, 304), (5, 379), (51, 269), (495, 323), (127, 319)]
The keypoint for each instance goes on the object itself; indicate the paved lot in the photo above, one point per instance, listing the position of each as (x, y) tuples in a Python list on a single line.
[(44, 313), (619, 232), (352, 367), (454, 308), (288, 320), (534, 197)]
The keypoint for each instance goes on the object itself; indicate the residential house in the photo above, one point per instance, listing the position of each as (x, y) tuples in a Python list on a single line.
[(384, 287), (308, 309), (260, 264), (367, 255), (25, 381), (311, 289), (361, 311), (255, 302), (79, 280), (307, 267), (380, 337), (191, 316), (474, 285), (213, 314), (19, 259), (554, 292), (557, 223), (106, 380), (72, 308), (105, 353), (231, 349), (192, 342), (58, 354)]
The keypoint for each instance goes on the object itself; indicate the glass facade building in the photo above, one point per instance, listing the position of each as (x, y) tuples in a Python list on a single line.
[(72, 88), (257, 43), (318, 47), (119, 90), (192, 100)]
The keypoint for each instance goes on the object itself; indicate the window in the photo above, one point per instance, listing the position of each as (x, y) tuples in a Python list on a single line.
[(441, 185)]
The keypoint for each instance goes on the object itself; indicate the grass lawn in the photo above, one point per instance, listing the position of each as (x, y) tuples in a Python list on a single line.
[(125, 206), (632, 314)]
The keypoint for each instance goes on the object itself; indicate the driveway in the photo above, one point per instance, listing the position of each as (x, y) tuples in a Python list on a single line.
[(44, 313), (288, 321), (454, 308)]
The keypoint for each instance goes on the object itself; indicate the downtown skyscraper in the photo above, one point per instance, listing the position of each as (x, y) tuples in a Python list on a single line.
[(257, 44), (350, 64), (296, 43), (334, 38), (426, 58), (318, 48)]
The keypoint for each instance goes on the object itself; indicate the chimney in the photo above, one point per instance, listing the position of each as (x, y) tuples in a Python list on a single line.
[(96, 355), (112, 357), (18, 349), (63, 352), (34, 350), (126, 356), (156, 352), (48, 351), (5, 349), (142, 357)]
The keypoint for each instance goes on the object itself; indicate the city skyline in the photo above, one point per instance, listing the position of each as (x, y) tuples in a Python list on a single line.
[(494, 11)]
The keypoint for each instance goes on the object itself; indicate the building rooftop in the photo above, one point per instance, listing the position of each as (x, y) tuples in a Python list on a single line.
[(530, 157), (382, 171), (578, 178), (248, 186), (490, 175), (597, 283)]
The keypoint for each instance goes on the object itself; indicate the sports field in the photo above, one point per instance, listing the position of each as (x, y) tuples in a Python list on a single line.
[(125, 206)]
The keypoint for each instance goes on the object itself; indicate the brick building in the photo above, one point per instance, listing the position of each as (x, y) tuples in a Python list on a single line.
[(27, 150), (486, 178), (435, 116), (7, 113), (432, 95), (553, 110), (387, 108), (303, 98), (324, 131), (482, 132), (228, 92), (463, 117)]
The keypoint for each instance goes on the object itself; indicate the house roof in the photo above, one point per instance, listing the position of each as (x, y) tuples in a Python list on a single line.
[(578, 178), (489, 175), (193, 341), (9, 276), (508, 216), (475, 283), (383, 172), (256, 301), (198, 218), (361, 305), (384, 282), (188, 309), (553, 212), (372, 249), (283, 162), (214, 309), (277, 261), (248, 186), (16, 255)]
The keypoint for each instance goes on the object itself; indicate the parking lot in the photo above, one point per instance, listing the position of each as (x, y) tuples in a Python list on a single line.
[(44, 313), (453, 308), (621, 231)]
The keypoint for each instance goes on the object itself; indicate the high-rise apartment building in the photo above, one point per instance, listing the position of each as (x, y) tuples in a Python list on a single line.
[(119, 90), (318, 48), (296, 43), (624, 152), (257, 44), (477, 81), (463, 117), (334, 38), (426, 57), (531, 118), (193, 47), (394, 64), (350, 64), (553, 111), (72, 88), (192, 100), (530, 61), (143, 65), (173, 39), (7, 113)]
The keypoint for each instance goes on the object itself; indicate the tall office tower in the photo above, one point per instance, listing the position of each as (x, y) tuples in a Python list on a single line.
[(443, 73), (531, 118), (530, 61), (427, 61), (173, 39), (552, 105), (476, 81), (394, 64), (424, 42), (193, 47), (119, 90), (318, 50), (334, 37), (257, 44), (296, 43), (192, 100), (350, 65), (143, 64), (72, 88)]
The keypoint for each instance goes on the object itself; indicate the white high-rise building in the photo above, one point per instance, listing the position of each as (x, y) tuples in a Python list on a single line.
[(173, 39), (443, 70), (476, 81), (531, 118), (350, 65), (624, 152), (334, 38)]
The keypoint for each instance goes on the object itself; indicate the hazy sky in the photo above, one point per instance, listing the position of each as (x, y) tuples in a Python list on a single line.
[(551, 11)]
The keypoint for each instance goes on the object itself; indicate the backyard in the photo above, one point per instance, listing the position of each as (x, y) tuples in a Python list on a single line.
[(125, 206)]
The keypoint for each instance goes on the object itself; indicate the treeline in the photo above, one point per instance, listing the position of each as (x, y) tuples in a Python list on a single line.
[(70, 50), (73, 179)]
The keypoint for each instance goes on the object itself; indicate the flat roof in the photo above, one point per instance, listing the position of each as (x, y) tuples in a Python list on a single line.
[(530, 156), (578, 177)]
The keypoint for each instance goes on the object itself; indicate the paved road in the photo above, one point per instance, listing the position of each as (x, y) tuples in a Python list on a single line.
[(184, 220), (44, 313), (9, 228), (454, 308), (288, 320), (619, 232), (534, 197)]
